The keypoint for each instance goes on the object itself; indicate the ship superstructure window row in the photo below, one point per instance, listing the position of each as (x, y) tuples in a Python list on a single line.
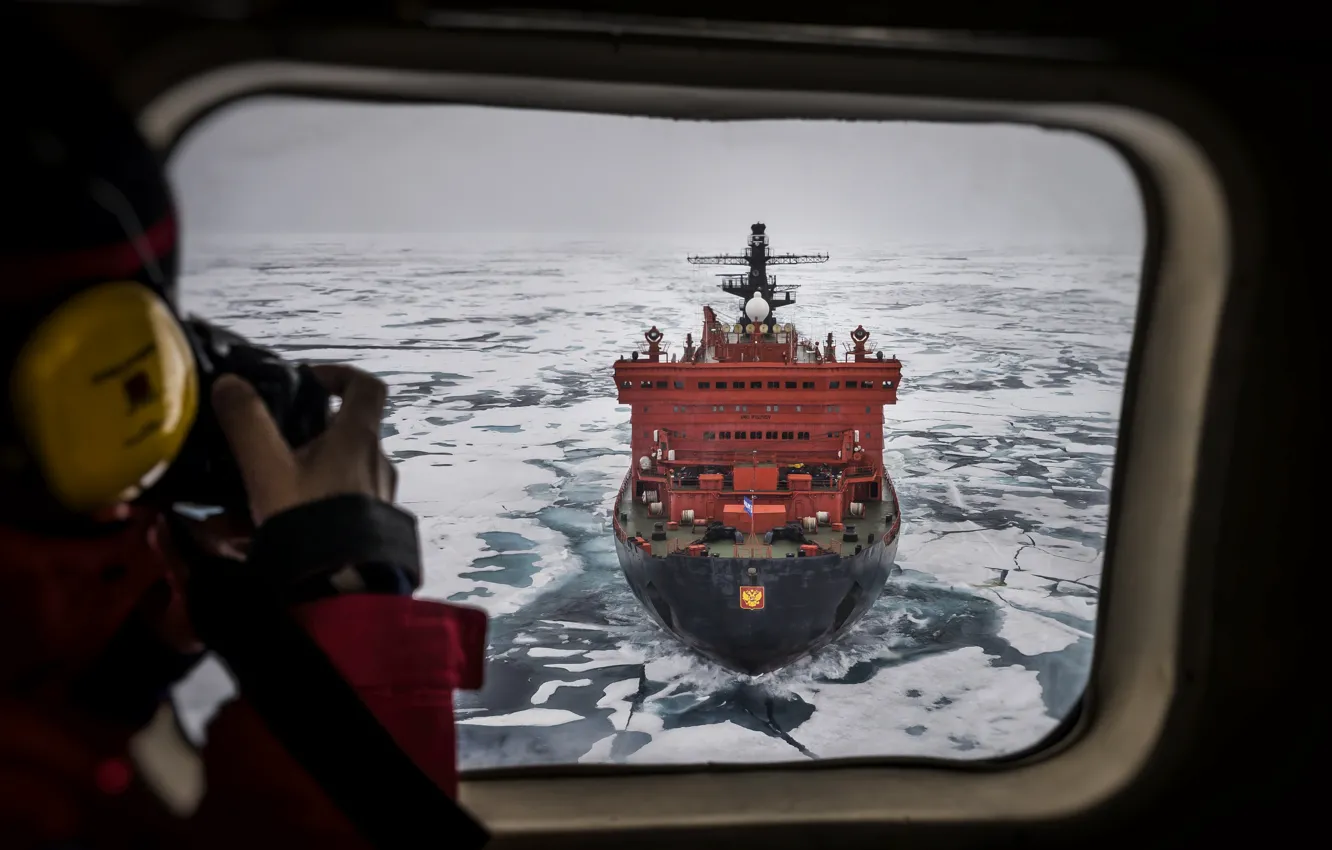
[(648, 384), (742, 408), (757, 435)]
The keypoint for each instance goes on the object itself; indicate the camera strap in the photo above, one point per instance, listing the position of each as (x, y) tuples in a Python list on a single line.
[(306, 702)]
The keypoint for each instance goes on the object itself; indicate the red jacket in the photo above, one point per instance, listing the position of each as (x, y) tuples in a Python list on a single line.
[(66, 776)]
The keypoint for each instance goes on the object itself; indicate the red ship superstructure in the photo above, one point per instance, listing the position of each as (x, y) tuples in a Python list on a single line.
[(757, 522)]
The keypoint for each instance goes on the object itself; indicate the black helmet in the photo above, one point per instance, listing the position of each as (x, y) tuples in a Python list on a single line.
[(88, 199)]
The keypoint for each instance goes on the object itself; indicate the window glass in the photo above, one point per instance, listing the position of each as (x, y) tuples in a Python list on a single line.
[(496, 267)]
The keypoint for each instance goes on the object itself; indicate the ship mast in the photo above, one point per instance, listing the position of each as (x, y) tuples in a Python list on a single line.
[(757, 282)]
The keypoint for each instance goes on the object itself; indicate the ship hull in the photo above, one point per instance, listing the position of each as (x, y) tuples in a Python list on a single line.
[(807, 602)]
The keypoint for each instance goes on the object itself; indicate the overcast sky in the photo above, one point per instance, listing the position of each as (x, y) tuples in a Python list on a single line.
[(293, 166)]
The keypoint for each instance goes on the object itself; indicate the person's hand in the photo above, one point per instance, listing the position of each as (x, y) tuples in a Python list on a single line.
[(345, 459)]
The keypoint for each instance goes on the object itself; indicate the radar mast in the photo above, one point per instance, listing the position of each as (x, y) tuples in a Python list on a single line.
[(757, 282)]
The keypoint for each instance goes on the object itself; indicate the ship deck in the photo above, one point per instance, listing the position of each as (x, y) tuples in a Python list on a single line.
[(877, 520)]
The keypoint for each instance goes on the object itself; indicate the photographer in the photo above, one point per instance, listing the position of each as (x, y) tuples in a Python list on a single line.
[(116, 411)]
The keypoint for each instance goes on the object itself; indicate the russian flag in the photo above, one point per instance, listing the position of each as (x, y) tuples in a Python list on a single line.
[(749, 506)]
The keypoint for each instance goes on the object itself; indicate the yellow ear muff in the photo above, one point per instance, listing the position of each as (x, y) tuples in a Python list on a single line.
[(105, 391)]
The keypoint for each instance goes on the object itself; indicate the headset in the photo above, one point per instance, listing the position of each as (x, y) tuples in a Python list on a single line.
[(103, 395)]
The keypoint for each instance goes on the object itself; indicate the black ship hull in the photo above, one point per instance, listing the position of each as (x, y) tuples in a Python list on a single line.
[(807, 603)]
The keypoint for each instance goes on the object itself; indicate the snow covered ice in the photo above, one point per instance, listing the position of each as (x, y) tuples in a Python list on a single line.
[(510, 446)]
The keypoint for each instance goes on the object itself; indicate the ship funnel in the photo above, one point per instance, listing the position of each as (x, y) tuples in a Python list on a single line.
[(757, 309)]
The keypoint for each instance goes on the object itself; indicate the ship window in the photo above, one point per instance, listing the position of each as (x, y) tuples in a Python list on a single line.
[(703, 385), (679, 385), (661, 385), (798, 407), (709, 435), (756, 385), (726, 435), (887, 385), (790, 385), (803, 435), (774, 385), (739, 435), (755, 435), (721, 385), (850, 385), (768, 408), (832, 385), (645, 385), (867, 385), (742, 408), (629, 385), (771, 435), (788, 435), (809, 385), (869, 409)]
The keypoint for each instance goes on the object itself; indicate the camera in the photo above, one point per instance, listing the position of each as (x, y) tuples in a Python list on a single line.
[(205, 472)]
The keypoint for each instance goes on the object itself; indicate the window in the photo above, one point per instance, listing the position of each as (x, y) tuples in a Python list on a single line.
[(850, 385), (774, 385), (770, 435), (832, 385), (645, 385), (867, 385), (755, 435), (756, 385), (661, 385), (740, 435), (274, 191)]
